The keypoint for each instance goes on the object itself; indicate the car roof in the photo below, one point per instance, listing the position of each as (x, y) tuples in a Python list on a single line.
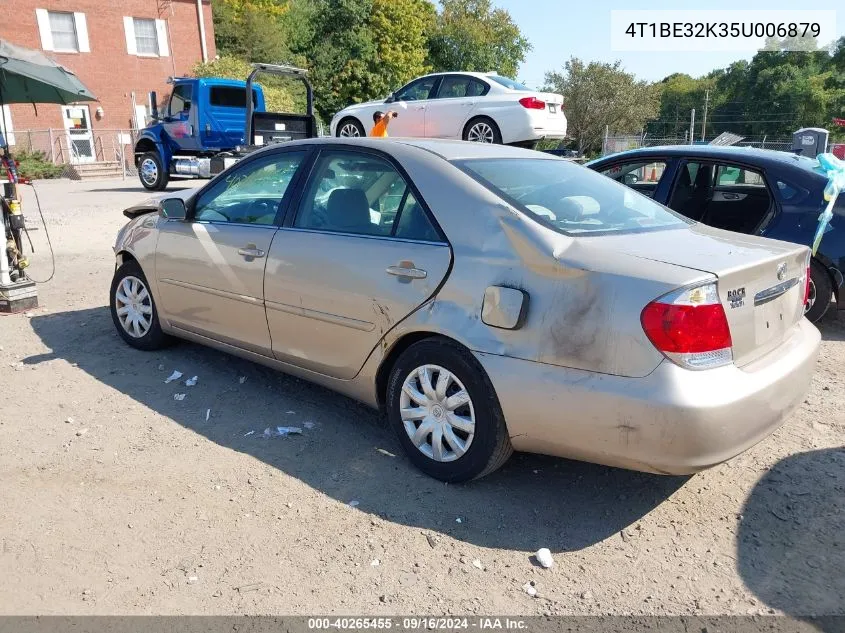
[(752, 155), (446, 149)]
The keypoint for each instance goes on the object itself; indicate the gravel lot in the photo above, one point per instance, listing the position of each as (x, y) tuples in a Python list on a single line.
[(117, 499)]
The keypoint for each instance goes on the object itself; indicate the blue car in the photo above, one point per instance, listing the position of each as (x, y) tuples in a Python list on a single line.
[(746, 190)]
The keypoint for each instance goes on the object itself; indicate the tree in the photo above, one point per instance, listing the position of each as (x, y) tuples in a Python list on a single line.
[(471, 35), (252, 30), (400, 30), (599, 96)]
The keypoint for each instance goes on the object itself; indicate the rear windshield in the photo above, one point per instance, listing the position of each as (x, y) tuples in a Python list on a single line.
[(568, 198), (507, 83), (227, 97)]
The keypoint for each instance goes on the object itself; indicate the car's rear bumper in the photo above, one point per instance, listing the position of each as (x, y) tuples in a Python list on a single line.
[(673, 421)]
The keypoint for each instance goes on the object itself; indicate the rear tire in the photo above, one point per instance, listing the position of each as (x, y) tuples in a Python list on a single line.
[(463, 412), (821, 289), (350, 128), (151, 172), (131, 297), (482, 130)]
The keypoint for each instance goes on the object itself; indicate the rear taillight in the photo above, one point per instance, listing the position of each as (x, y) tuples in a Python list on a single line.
[(690, 328), (532, 103)]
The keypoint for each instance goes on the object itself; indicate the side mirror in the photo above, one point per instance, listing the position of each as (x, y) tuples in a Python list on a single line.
[(390, 98), (631, 179), (173, 209)]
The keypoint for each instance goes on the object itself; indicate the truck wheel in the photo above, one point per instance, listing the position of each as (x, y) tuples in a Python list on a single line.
[(152, 173)]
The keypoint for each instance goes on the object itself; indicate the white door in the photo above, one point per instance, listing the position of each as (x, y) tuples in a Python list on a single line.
[(448, 110), (410, 104), (80, 138)]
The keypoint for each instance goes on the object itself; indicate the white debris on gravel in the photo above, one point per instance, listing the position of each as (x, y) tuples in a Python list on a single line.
[(190, 382), (176, 375), (69, 421), (179, 396), (375, 562), (477, 564), (529, 589), (248, 433), (354, 503), (81, 432), (544, 557), (458, 520), (388, 454), (207, 414)]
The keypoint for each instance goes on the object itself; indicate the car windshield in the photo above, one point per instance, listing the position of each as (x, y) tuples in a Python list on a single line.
[(508, 83), (571, 199)]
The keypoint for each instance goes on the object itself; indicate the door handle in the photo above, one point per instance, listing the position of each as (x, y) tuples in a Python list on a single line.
[(251, 252), (408, 273), (730, 196), (419, 108)]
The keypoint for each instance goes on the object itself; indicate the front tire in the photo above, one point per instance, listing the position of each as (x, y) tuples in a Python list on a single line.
[(350, 128), (445, 412), (482, 130), (133, 309), (821, 290), (151, 172)]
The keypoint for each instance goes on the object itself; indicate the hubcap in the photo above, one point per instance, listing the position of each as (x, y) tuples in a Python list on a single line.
[(149, 171), (350, 129), (134, 306), (437, 413), (481, 133), (811, 297)]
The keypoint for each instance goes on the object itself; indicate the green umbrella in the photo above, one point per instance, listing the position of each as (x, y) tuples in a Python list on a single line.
[(28, 76)]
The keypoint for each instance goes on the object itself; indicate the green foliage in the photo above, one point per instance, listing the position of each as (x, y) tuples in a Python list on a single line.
[(37, 165), (471, 35), (281, 94), (251, 29), (774, 94), (400, 31), (599, 96)]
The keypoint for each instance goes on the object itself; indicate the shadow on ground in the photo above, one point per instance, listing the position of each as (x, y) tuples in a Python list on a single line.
[(533, 501), (832, 325), (791, 540)]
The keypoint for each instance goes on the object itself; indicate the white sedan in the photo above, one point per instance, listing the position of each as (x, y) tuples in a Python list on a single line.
[(479, 107)]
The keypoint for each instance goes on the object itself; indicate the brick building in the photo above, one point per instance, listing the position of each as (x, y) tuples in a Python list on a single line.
[(117, 48)]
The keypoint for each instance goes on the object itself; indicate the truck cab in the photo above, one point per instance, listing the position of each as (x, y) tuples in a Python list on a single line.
[(202, 118)]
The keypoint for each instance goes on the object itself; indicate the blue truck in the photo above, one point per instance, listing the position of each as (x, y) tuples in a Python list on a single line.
[(209, 124)]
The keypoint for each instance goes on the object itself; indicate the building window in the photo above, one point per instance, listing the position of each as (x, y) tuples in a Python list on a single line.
[(62, 31), (146, 37)]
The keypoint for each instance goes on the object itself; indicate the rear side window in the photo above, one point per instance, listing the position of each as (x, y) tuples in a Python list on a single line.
[(508, 83), (571, 199), (230, 97)]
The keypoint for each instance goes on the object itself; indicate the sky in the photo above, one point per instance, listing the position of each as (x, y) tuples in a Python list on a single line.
[(560, 29)]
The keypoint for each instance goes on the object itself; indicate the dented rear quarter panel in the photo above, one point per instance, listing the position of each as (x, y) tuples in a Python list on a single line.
[(584, 300)]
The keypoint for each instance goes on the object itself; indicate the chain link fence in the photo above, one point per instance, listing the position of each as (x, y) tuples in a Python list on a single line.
[(614, 144), (79, 147)]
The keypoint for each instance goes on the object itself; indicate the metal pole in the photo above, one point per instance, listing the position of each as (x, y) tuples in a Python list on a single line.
[(691, 126), (52, 151), (704, 118), (201, 19), (763, 144)]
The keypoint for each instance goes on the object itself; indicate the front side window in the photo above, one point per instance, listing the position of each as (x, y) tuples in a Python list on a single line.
[(63, 29), (251, 194), (418, 90), (146, 36), (571, 199), (180, 100), (364, 195)]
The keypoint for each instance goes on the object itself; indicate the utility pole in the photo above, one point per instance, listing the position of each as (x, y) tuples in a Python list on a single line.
[(704, 119), (691, 126)]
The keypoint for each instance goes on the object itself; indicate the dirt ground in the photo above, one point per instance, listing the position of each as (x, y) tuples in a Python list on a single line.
[(118, 499)]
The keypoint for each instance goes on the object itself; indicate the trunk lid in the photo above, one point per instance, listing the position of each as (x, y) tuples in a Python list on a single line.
[(760, 281)]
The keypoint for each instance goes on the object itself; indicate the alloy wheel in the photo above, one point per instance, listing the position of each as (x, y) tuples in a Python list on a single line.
[(481, 132), (350, 130), (134, 306), (437, 413)]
